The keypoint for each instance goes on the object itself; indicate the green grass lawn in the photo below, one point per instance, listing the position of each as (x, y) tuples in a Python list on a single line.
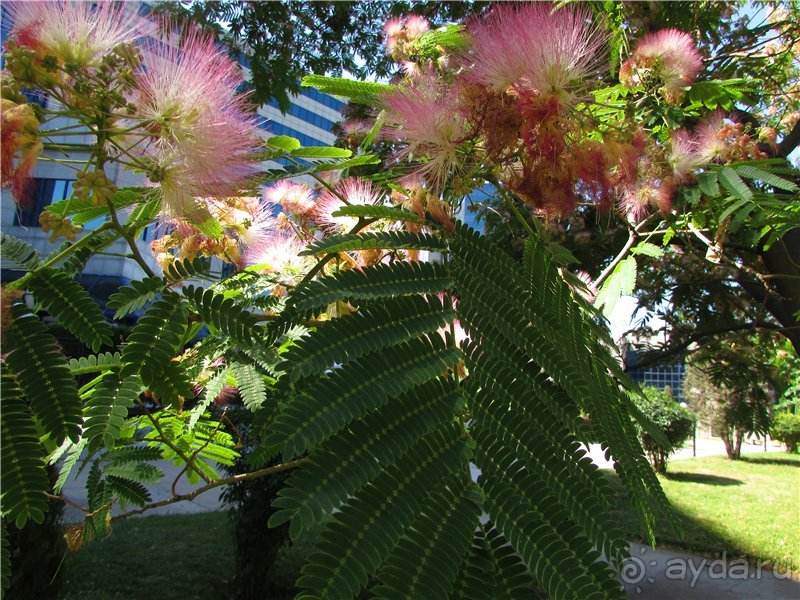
[(181, 557), (748, 508)]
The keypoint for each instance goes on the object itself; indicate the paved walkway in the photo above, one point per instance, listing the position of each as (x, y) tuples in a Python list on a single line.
[(705, 447), (656, 574)]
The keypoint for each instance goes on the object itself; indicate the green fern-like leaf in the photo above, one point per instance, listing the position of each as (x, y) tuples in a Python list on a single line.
[(331, 402), (181, 270), (375, 240), (131, 298), (373, 282), (42, 372), (134, 454), (128, 491), (341, 562), (368, 211), (358, 91), (75, 263), (139, 472), (211, 391), (71, 304), (223, 313), (95, 363), (732, 182), (419, 565), (19, 252), (68, 465), (353, 457), (768, 177), (394, 321), (107, 409), (23, 481), (152, 344), (251, 385)]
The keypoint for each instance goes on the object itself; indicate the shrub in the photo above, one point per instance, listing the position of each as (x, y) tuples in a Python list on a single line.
[(786, 428), (676, 421)]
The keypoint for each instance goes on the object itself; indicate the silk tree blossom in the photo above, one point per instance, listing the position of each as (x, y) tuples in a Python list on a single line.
[(200, 138), (296, 199), (399, 32), (428, 116), (357, 192), (684, 156), (640, 196), (20, 146), (78, 33), (278, 253), (533, 47), (668, 54), (249, 218), (720, 139)]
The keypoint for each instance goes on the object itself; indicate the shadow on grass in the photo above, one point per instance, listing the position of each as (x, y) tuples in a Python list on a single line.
[(771, 460), (702, 478), (691, 535)]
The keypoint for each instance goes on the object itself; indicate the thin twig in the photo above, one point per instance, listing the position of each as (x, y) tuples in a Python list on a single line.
[(213, 484)]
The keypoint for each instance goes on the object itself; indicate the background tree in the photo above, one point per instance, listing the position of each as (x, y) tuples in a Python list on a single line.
[(676, 421), (284, 41), (732, 385)]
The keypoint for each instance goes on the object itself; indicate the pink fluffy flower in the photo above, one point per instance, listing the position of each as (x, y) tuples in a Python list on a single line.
[(277, 253), (640, 196), (201, 137), (399, 32), (294, 198), (533, 47), (671, 54), (684, 156), (357, 191), (78, 33), (427, 115)]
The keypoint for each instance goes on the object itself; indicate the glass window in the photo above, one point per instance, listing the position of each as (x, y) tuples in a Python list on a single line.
[(45, 192)]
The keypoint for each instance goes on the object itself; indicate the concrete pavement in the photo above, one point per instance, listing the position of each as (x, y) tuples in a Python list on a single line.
[(656, 574)]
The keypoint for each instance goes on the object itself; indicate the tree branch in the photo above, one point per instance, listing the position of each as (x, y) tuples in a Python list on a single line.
[(657, 356), (211, 485)]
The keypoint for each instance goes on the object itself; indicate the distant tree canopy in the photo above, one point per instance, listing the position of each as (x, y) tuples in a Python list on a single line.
[(286, 40)]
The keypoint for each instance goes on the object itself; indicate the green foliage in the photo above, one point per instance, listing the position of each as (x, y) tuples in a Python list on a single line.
[(362, 92), (676, 421), (377, 212), (19, 252), (223, 313), (786, 428), (373, 400), (251, 385), (130, 298), (107, 409), (72, 305), (321, 152), (24, 479), (43, 375), (95, 363), (371, 283), (378, 240), (720, 93), (621, 282), (179, 270), (151, 345)]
